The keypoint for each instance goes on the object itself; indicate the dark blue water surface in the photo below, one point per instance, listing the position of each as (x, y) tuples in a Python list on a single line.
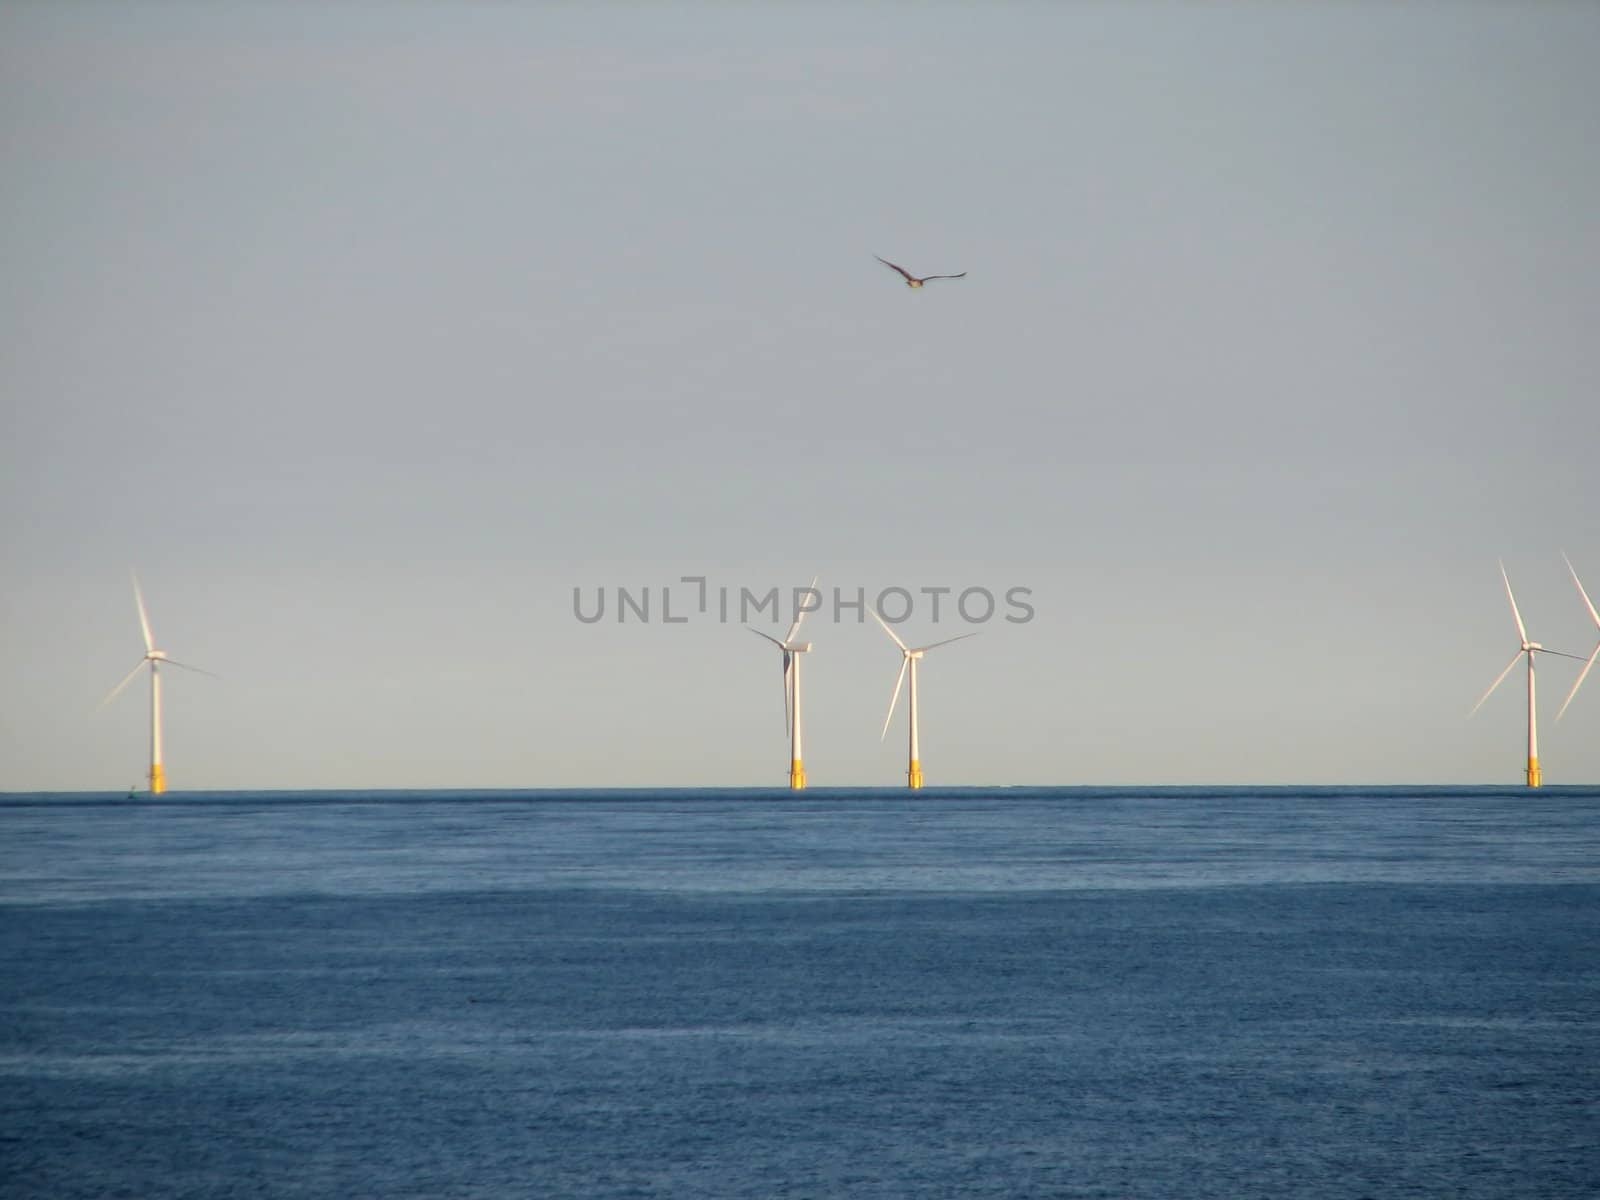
[(1023, 992)]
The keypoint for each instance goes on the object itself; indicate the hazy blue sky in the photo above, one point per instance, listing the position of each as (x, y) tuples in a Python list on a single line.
[(368, 332)]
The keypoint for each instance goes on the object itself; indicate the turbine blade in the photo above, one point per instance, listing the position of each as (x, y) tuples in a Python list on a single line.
[(172, 662), (144, 617), (879, 618), (946, 642), (894, 699), (1581, 676), (788, 690), (768, 636), (126, 680), (1557, 653), (800, 616), (1521, 631), (1588, 602), (1498, 680)]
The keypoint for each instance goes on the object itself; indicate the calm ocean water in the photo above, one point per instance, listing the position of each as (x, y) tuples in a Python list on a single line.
[(1221, 993)]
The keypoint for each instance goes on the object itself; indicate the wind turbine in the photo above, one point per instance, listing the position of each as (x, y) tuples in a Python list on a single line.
[(153, 658), (1529, 649), (791, 691), (1596, 616), (910, 656)]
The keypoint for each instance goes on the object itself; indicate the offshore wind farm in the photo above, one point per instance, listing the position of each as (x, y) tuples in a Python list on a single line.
[(468, 383), (809, 599), (1208, 418)]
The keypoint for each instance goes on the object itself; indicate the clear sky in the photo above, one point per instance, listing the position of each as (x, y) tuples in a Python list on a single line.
[(369, 332)]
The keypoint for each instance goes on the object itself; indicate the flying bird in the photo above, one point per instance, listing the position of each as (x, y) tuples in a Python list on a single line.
[(911, 280)]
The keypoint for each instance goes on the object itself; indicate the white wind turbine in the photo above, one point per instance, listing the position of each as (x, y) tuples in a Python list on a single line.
[(1595, 616), (910, 656), (791, 690), (153, 658), (1529, 649)]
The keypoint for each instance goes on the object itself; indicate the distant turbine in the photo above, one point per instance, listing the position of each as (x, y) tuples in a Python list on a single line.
[(791, 692), (1595, 616), (1529, 649), (153, 658), (909, 657), (913, 281)]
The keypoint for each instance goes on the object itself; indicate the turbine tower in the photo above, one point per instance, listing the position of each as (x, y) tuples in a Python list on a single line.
[(153, 658), (791, 691), (1529, 649), (1595, 616), (910, 656)]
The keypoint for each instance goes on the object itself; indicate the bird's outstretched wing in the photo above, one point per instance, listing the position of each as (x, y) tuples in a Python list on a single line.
[(902, 270), (925, 278)]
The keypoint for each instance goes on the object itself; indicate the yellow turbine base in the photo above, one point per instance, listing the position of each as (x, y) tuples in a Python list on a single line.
[(797, 776), (914, 774), (1535, 779), (158, 779)]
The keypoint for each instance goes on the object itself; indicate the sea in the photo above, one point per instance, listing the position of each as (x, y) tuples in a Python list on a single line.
[(980, 992)]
